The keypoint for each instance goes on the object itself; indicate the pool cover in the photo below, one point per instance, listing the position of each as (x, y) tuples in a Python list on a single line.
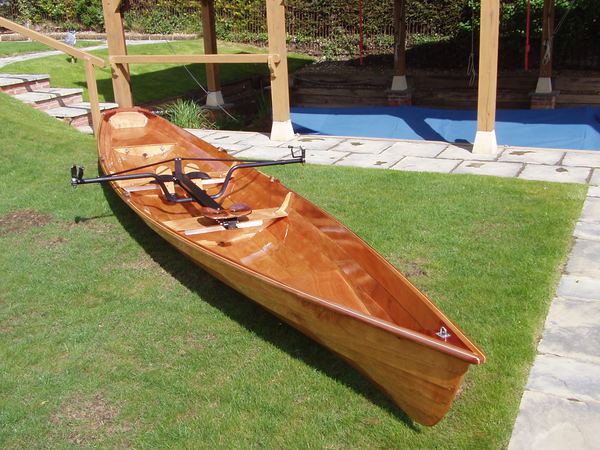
[(566, 128)]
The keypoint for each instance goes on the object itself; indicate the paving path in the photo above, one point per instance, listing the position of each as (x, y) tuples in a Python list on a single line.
[(560, 407), (569, 166), (27, 56)]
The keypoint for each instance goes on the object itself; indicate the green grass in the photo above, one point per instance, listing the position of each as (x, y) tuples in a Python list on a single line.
[(109, 338), (20, 47), (151, 82)]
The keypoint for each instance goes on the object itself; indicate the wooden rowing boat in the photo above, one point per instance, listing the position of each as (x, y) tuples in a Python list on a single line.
[(286, 254)]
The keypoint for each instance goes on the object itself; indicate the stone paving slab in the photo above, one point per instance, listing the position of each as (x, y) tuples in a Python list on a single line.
[(584, 259), (40, 95), (424, 150), (582, 159), (595, 180), (200, 133), (77, 110), (587, 230), (579, 287), (415, 164), (557, 174), (366, 160), (325, 157), (260, 139), (232, 149), (566, 377), (591, 210), (456, 152), (222, 138), (263, 153), (531, 156), (363, 146), (498, 169), (10, 79), (315, 142), (546, 422), (594, 191), (573, 330)]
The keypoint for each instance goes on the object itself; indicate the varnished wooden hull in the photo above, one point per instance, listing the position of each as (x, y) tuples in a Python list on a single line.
[(355, 307)]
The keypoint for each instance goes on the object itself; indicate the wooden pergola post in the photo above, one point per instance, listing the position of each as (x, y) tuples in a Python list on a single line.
[(282, 125), (399, 81), (485, 139), (214, 97), (115, 37), (544, 83)]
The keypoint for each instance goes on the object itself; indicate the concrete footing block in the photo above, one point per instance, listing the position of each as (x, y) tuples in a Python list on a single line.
[(485, 143), (282, 131)]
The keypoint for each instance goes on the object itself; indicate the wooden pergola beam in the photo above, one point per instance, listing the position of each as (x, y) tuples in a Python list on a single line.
[(485, 139), (544, 84), (115, 5), (253, 58), (280, 94), (115, 38), (276, 59), (399, 81), (209, 35)]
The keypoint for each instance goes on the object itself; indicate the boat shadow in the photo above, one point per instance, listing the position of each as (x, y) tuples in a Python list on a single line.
[(246, 312)]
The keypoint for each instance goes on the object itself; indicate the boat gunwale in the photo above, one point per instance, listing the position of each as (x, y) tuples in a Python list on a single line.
[(474, 356)]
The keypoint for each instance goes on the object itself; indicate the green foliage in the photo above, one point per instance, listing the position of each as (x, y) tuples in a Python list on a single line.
[(90, 14), (187, 114)]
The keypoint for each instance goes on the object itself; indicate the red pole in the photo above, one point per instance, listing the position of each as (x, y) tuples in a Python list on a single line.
[(360, 26), (527, 32)]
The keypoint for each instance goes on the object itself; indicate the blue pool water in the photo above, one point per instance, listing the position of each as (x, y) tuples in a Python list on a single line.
[(566, 128)]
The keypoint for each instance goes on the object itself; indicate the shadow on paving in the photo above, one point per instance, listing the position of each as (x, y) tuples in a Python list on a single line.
[(245, 312)]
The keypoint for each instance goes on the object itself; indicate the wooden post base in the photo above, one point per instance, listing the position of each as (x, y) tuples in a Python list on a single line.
[(399, 83), (544, 101), (214, 99), (485, 143), (544, 85), (282, 131)]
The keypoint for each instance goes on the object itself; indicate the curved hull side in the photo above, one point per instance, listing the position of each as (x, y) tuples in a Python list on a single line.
[(421, 381)]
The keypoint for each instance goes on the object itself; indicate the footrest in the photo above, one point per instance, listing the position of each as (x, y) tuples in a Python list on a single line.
[(259, 218)]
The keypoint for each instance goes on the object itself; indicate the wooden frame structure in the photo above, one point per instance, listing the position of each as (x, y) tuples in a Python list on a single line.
[(485, 139), (276, 59)]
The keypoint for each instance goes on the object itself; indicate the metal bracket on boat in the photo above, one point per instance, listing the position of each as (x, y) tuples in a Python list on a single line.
[(185, 180), (443, 334), (301, 158)]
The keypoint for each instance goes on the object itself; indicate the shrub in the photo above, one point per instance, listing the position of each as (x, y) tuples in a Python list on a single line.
[(187, 114)]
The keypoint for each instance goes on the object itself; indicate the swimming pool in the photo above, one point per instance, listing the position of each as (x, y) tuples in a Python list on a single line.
[(565, 128)]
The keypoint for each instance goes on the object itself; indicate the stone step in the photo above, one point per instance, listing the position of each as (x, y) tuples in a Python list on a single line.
[(78, 115), (48, 98), (13, 84)]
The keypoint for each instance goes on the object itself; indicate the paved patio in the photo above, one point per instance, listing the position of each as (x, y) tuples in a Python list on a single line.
[(560, 407), (568, 166)]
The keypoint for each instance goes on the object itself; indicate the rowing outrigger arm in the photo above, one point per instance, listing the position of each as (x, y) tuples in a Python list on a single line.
[(186, 180)]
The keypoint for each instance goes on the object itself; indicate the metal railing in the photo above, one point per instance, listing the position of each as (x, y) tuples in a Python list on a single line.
[(90, 62)]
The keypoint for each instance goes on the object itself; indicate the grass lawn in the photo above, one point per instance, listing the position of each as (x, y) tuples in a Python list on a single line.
[(151, 81), (20, 47), (109, 338)]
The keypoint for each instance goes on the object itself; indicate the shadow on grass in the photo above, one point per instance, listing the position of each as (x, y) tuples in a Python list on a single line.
[(245, 312)]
